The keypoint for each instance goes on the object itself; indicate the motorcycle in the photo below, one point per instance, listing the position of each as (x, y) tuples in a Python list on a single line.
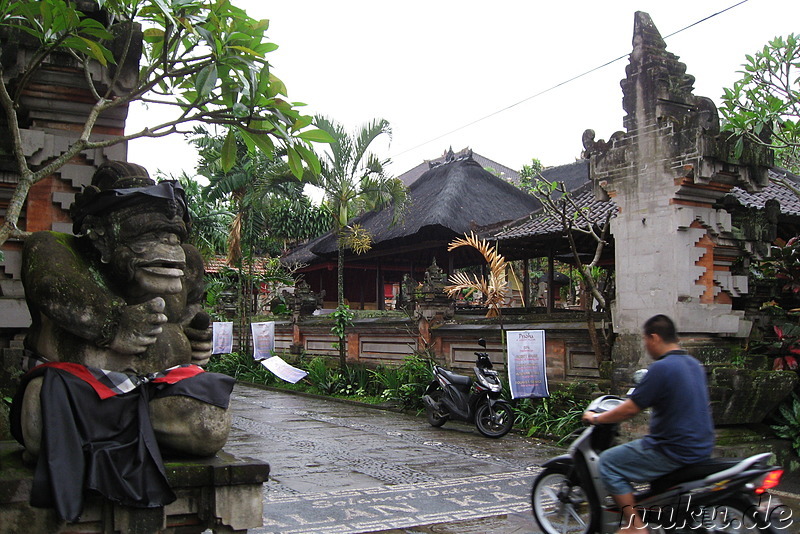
[(715, 496), (454, 396)]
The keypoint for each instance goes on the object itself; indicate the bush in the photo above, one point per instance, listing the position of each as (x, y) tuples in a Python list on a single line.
[(241, 367), (788, 422), (407, 383), (404, 384), (233, 364), (558, 415), (355, 380), (325, 380)]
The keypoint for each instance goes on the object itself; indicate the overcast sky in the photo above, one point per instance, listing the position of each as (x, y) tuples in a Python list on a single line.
[(435, 66)]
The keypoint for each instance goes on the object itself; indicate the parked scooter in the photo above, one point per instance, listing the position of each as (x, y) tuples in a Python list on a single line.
[(715, 496), (453, 396)]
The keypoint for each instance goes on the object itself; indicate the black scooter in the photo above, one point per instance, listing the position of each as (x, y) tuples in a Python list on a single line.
[(716, 496), (453, 396)]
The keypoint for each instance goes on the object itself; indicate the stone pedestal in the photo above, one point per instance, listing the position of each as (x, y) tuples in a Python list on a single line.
[(222, 494), (745, 396)]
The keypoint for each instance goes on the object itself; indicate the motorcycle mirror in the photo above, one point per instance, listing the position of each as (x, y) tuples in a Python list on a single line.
[(482, 342), (639, 375)]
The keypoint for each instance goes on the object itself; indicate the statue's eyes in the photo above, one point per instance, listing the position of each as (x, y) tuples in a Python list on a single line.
[(141, 243)]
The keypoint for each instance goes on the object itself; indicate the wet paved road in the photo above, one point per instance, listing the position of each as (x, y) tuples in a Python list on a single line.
[(342, 468)]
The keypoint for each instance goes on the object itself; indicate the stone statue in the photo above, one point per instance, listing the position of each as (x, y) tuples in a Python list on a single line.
[(123, 299)]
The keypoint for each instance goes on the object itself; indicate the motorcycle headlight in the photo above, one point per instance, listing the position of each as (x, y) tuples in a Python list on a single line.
[(604, 403), (490, 382)]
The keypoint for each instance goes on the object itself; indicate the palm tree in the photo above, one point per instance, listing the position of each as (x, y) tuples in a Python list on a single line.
[(494, 288), (258, 188), (354, 180), (210, 219)]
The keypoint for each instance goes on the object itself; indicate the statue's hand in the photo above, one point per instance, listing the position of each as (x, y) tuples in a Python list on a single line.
[(199, 333), (139, 326)]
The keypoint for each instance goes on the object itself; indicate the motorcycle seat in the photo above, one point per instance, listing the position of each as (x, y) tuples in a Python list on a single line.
[(692, 472), (459, 380)]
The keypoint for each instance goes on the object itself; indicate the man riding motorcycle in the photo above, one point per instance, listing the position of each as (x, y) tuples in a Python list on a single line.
[(681, 426)]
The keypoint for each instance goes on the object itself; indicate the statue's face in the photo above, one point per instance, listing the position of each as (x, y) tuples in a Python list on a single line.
[(146, 252)]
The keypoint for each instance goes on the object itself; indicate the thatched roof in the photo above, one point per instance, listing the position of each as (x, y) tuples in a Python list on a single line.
[(506, 173), (574, 175), (447, 201)]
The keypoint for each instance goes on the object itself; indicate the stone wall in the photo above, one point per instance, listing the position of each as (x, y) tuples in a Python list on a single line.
[(675, 247), (453, 344)]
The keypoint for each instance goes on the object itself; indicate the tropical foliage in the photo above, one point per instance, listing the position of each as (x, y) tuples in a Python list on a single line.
[(201, 61), (777, 334), (556, 416), (211, 219), (764, 105), (788, 422), (354, 180), (529, 174), (270, 210), (399, 385)]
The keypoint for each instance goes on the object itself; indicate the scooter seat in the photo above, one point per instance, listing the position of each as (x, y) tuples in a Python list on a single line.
[(459, 380), (692, 472)]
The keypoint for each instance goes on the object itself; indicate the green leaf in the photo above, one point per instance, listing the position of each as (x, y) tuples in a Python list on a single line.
[(87, 25), (316, 136), (240, 110), (90, 48), (295, 162), (262, 124), (302, 122), (266, 48), (246, 50), (310, 158), (738, 148), (262, 141), (206, 80), (228, 157), (153, 34), (276, 86)]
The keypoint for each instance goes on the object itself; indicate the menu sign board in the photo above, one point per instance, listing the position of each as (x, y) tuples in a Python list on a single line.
[(527, 369)]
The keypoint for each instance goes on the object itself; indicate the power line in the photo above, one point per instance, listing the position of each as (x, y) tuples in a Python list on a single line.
[(565, 82)]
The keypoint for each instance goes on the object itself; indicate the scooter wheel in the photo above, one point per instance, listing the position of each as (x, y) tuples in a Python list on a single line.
[(560, 506), (497, 424), (436, 417)]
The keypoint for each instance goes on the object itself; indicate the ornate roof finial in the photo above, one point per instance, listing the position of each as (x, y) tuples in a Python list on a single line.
[(656, 79)]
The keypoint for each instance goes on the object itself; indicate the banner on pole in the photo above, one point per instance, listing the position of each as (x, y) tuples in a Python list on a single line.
[(527, 366), (263, 339), (222, 338), (283, 370)]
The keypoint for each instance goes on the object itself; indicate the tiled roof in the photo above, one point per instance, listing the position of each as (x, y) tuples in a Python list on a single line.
[(218, 264), (789, 201), (539, 223)]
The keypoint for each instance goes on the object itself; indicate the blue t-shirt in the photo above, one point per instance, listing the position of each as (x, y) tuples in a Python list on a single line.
[(681, 426)]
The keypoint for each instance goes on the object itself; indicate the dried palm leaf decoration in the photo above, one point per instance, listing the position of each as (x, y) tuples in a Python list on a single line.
[(495, 288)]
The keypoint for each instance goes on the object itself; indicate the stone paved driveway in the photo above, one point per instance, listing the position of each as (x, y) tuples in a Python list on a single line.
[(342, 468)]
